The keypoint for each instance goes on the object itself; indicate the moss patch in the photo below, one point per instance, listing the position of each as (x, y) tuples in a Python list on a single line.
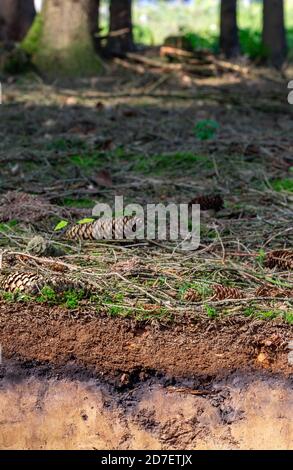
[(31, 42), (74, 61), (285, 184)]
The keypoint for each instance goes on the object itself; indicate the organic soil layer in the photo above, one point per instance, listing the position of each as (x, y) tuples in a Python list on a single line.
[(114, 346)]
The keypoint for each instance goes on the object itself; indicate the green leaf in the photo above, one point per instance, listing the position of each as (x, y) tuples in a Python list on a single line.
[(62, 224), (85, 221)]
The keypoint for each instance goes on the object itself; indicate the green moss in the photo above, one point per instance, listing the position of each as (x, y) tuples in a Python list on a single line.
[(31, 42), (69, 299), (206, 129), (157, 164), (211, 312), (47, 295), (65, 145), (171, 163), (289, 317), (77, 60), (86, 161), (256, 312), (251, 43), (8, 226), (249, 311), (82, 203), (72, 298), (205, 40), (15, 61), (117, 311), (267, 314), (207, 233), (260, 258), (11, 297), (161, 313), (203, 289), (7, 296), (285, 184)]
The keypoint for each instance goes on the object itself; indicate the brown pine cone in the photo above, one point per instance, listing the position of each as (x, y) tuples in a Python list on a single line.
[(105, 229), (80, 232), (282, 259), (209, 202), (223, 292), (61, 284), (24, 282), (192, 295), (269, 291), (32, 283)]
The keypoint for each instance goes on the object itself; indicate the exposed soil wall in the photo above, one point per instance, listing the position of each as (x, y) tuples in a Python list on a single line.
[(102, 383), (241, 412), (111, 347)]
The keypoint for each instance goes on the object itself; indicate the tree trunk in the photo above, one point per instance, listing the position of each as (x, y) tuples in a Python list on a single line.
[(274, 34), (16, 17), (229, 42), (94, 18), (121, 34), (66, 45)]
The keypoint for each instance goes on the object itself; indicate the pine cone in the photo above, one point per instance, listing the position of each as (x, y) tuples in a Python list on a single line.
[(269, 291), (24, 282), (39, 246), (209, 202), (80, 232), (223, 292), (105, 229), (61, 284), (282, 259), (192, 295), (32, 283), (57, 267)]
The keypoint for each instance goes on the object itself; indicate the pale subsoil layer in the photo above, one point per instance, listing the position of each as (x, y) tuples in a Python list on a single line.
[(244, 411)]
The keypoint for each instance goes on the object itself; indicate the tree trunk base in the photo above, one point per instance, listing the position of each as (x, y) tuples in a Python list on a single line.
[(75, 60), (66, 47)]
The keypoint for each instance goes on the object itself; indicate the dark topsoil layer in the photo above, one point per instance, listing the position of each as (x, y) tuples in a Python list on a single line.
[(123, 351)]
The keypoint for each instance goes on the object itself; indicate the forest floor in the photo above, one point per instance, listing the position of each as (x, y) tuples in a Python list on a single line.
[(156, 309)]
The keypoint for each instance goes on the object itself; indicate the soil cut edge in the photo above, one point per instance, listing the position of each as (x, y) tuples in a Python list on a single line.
[(113, 347)]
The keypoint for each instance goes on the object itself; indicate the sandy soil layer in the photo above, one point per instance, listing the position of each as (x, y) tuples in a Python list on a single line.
[(246, 411)]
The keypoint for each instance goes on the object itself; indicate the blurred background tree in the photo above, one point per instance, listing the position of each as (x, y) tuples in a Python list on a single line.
[(229, 42), (120, 38), (66, 35), (16, 17), (274, 34)]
